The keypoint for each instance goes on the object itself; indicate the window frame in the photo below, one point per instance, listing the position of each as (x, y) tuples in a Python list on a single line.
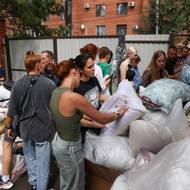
[(121, 14), (121, 25), (102, 27), (97, 15)]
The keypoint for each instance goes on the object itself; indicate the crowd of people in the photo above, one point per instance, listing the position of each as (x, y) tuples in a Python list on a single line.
[(55, 104)]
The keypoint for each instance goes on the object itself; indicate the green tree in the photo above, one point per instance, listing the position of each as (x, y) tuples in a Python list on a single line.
[(173, 16), (29, 15)]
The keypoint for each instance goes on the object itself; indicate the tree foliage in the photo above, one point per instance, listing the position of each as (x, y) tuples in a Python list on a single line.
[(29, 14), (173, 16)]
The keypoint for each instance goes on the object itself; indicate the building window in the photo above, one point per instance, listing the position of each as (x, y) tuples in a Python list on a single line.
[(121, 8), (100, 30), (100, 10), (122, 27)]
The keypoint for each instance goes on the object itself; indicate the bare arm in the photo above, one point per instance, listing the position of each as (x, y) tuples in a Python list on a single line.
[(91, 123), (2, 78), (8, 124), (123, 71), (80, 103)]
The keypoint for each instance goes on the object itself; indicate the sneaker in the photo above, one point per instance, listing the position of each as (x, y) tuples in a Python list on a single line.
[(32, 187), (5, 185)]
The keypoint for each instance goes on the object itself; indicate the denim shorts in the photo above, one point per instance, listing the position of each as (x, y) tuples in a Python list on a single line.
[(71, 163)]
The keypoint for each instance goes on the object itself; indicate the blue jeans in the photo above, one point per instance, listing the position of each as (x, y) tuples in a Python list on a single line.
[(37, 157), (71, 163)]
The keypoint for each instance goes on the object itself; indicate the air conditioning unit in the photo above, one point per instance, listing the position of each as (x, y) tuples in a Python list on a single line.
[(135, 27), (131, 4), (86, 6)]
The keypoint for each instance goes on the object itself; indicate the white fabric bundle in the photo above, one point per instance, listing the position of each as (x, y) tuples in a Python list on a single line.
[(125, 96), (109, 151), (168, 170)]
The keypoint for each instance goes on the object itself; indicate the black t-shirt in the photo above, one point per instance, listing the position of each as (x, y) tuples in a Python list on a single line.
[(90, 90), (170, 66), (130, 73), (49, 74)]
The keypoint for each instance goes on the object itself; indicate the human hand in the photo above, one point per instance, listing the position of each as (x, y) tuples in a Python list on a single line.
[(120, 112), (10, 133), (107, 82)]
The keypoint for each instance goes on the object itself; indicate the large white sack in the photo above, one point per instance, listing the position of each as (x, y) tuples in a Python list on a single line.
[(109, 151), (4, 94), (176, 121), (143, 157), (168, 170), (158, 117), (149, 136), (125, 96)]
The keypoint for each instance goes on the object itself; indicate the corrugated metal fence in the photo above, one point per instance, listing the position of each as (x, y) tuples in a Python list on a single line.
[(65, 48)]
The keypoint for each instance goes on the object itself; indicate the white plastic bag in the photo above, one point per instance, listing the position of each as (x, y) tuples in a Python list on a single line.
[(168, 170), (149, 136), (176, 121), (158, 117), (125, 96), (4, 94), (109, 151), (19, 167), (143, 157)]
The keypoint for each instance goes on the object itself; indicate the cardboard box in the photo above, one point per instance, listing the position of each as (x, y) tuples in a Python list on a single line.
[(99, 177)]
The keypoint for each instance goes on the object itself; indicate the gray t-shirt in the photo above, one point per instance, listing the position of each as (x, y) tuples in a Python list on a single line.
[(30, 99)]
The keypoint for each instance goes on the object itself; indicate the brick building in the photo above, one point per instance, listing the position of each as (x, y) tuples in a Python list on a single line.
[(107, 17)]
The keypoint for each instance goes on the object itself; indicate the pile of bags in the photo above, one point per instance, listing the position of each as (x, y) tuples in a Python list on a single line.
[(168, 170), (151, 136)]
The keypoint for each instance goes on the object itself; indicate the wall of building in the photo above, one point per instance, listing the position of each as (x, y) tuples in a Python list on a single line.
[(81, 15)]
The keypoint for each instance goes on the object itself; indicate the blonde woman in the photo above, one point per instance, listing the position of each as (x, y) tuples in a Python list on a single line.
[(156, 68)]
